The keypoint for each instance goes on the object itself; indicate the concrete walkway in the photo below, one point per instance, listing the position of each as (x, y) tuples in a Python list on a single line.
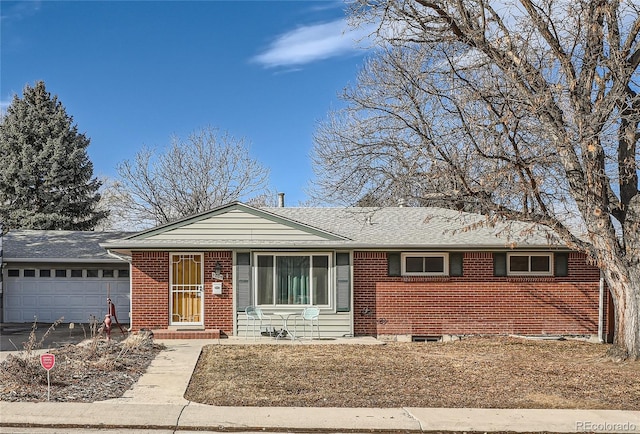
[(157, 402)]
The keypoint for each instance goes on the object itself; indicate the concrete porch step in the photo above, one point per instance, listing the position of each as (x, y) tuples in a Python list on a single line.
[(186, 334)]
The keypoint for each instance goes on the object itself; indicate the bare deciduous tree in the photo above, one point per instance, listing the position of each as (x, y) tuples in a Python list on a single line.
[(522, 110), (207, 170)]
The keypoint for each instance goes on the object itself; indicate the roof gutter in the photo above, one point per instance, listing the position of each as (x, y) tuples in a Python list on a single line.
[(330, 245), (61, 260), (119, 256)]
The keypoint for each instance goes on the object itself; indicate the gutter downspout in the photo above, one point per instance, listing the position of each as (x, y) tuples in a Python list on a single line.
[(126, 259), (601, 310)]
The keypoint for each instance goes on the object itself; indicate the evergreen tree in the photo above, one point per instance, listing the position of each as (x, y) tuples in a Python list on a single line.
[(46, 177)]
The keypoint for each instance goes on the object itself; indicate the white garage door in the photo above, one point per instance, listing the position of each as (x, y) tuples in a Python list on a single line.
[(77, 294)]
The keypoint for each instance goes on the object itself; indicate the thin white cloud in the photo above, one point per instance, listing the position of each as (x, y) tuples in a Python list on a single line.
[(312, 43), (19, 10)]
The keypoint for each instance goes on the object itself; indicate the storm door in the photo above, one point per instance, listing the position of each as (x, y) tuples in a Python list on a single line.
[(187, 289)]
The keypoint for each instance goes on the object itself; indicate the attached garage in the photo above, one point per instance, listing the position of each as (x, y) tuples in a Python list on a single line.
[(53, 274)]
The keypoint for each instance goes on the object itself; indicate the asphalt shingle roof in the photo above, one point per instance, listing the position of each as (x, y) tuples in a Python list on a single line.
[(46, 246), (412, 226), (367, 228)]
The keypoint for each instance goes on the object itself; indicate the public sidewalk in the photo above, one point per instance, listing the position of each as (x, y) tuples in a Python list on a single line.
[(157, 402)]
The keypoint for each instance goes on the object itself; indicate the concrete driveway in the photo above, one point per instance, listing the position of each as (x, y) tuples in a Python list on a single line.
[(14, 335)]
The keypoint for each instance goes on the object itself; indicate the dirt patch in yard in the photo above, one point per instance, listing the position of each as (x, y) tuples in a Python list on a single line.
[(475, 372)]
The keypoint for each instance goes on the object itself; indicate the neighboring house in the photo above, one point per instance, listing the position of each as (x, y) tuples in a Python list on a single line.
[(418, 273), (52, 274)]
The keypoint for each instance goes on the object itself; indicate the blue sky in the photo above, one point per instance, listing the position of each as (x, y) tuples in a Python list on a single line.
[(134, 73)]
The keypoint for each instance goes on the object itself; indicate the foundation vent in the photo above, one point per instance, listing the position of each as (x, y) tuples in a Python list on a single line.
[(426, 338)]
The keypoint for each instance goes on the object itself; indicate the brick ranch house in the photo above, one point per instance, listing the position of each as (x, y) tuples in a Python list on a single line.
[(412, 273)]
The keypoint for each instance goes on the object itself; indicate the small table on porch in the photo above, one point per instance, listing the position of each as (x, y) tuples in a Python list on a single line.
[(285, 328)]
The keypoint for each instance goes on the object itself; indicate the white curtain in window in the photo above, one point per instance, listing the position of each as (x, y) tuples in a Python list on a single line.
[(292, 279)]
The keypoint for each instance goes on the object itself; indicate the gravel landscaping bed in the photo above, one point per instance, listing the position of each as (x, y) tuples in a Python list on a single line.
[(95, 370)]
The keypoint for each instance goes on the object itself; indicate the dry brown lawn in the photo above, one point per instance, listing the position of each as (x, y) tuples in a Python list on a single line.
[(475, 372)]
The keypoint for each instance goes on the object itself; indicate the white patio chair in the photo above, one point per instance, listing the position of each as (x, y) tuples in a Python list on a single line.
[(255, 314), (309, 315)]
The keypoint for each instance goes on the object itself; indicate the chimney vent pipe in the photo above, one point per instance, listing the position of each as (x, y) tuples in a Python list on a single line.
[(280, 200)]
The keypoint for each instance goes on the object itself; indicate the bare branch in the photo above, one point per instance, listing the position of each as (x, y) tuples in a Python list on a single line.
[(189, 177), (526, 111)]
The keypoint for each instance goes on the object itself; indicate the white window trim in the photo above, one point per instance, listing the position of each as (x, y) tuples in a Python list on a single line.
[(330, 280), (403, 262), (529, 273)]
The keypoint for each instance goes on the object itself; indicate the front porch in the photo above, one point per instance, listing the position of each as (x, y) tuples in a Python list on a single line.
[(331, 324)]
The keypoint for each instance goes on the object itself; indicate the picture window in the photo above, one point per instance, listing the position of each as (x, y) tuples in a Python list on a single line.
[(293, 279)]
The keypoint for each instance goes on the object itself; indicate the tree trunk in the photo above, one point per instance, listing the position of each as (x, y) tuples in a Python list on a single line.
[(624, 283)]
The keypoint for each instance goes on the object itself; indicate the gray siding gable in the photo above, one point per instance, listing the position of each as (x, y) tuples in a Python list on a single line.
[(237, 222)]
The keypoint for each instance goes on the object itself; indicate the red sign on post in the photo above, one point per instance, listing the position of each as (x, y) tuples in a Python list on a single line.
[(48, 361)]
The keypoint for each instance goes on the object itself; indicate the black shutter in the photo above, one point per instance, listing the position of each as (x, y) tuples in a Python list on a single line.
[(393, 264), (499, 264), (243, 285), (561, 264), (343, 283), (455, 264)]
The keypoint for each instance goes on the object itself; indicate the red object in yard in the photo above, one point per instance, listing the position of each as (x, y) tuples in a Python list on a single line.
[(47, 361), (112, 313), (107, 326)]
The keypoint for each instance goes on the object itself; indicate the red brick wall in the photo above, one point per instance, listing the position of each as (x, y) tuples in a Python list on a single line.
[(150, 291), (477, 303), (369, 270), (218, 309)]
